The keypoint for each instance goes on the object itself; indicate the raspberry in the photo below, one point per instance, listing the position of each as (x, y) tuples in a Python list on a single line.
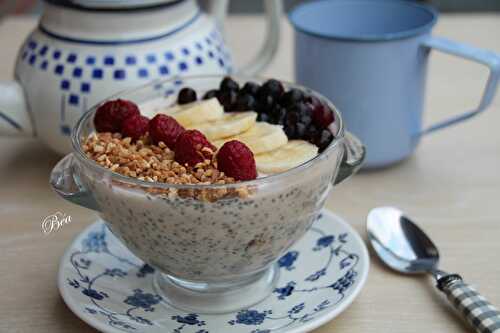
[(165, 128), (322, 116), (236, 160), (109, 117), (188, 149), (135, 127)]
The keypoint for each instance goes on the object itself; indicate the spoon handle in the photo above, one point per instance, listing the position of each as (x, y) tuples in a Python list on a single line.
[(473, 307)]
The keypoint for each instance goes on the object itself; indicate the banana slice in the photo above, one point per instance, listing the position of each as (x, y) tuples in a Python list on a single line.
[(153, 107), (260, 138), (157, 106), (293, 154), (176, 108), (229, 125), (196, 112)]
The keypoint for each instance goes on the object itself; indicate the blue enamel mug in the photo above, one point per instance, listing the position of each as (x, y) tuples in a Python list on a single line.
[(370, 58)]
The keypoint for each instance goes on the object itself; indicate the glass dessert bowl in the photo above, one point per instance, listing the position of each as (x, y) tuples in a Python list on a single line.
[(214, 246)]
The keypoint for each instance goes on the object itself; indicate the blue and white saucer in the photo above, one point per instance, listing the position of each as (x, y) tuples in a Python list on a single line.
[(110, 289)]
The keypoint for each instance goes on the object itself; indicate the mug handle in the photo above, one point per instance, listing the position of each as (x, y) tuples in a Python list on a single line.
[(274, 11), (488, 58)]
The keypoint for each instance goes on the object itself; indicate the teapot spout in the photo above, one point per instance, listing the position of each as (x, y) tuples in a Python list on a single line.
[(14, 116)]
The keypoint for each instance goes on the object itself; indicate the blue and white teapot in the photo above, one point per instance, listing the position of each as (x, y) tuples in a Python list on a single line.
[(86, 50)]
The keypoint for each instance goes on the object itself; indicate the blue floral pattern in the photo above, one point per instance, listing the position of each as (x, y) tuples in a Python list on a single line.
[(145, 269), (296, 309), (250, 317), (323, 242), (95, 242), (188, 320), (143, 300), (297, 299), (285, 291), (288, 259)]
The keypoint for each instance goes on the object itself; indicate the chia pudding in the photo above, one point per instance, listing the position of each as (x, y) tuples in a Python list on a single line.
[(213, 241)]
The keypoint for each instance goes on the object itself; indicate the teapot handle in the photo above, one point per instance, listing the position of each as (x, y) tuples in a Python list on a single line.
[(274, 10), (14, 117)]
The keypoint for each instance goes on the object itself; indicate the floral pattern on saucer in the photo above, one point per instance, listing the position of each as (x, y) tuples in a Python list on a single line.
[(112, 290)]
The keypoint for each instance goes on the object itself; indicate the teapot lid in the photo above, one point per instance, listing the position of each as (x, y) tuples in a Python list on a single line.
[(112, 4)]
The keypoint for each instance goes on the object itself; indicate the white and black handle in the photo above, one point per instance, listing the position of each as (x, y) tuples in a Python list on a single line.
[(473, 307)]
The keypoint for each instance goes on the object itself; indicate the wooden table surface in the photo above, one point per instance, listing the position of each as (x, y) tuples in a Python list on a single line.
[(451, 186)]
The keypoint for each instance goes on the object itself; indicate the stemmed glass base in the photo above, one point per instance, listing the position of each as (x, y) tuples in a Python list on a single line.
[(216, 297)]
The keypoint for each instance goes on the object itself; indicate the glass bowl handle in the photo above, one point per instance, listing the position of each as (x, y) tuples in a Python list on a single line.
[(65, 182), (353, 158)]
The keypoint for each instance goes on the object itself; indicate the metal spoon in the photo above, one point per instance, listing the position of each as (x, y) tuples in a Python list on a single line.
[(404, 247)]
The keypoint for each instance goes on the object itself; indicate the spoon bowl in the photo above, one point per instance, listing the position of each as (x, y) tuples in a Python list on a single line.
[(400, 243)]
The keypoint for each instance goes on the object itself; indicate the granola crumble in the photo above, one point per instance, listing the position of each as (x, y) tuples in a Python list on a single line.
[(155, 163)]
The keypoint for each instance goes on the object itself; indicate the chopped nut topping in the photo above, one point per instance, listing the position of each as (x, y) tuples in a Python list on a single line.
[(155, 163)]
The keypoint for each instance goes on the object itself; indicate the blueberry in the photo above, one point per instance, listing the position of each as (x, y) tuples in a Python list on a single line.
[(245, 102), (186, 95), (313, 100), (251, 88), (311, 134), (300, 130), (264, 117), (291, 97), (228, 84), (291, 118), (324, 139), (272, 120), (308, 109), (279, 115), (265, 104), (301, 109), (290, 131), (210, 94), (305, 119), (226, 99), (272, 87)]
